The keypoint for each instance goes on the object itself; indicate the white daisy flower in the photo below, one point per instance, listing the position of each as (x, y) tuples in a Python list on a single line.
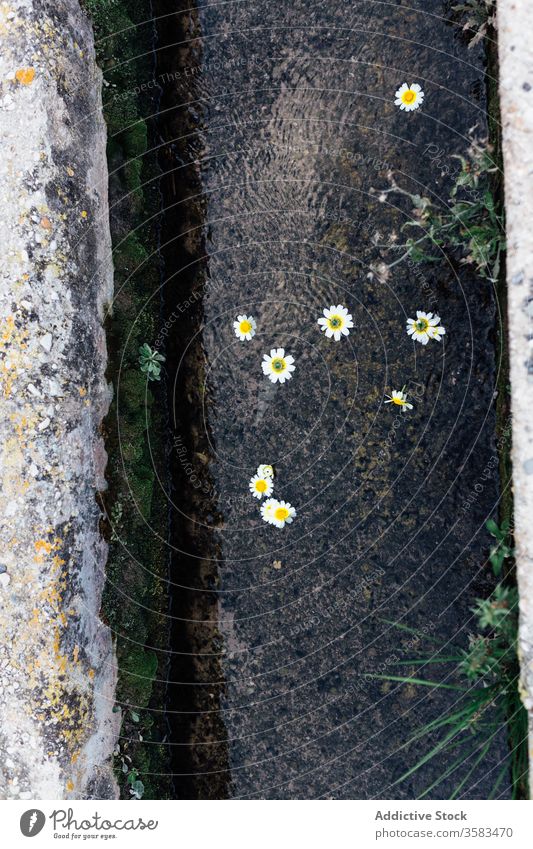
[(278, 366), (399, 397), (261, 486), (409, 97), (278, 513), (265, 471), (425, 327), (244, 327), (336, 322)]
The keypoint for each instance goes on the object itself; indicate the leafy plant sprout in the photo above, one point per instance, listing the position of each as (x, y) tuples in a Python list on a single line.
[(472, 226), (135, 784), (502, 550), (150, 361)]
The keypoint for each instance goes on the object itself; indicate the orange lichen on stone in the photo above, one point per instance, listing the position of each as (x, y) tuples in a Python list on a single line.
[(43, 545), (70, 786), (46, 224), (25, 76)]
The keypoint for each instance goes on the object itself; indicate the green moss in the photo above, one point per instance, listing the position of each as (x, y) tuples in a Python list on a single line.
[(137, 673), (135, 600)]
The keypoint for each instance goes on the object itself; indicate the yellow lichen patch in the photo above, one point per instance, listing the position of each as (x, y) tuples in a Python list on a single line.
[(51, 595), (70, 171), (20, 424), (57, 563), (84, 213), (70, 786), (91, 674), (44, 547), (25, 76), (82, 391), (8, 327)]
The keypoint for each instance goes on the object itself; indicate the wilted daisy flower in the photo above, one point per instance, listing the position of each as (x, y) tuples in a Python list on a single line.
[(409, 97), (278, 513), (267, 510), (425, 327), (244, 327), (265, 471), (336, 322), (261, 486), (278, 366), (399, 398)]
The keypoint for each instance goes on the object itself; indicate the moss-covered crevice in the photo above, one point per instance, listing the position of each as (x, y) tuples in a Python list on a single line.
[(135, 600)]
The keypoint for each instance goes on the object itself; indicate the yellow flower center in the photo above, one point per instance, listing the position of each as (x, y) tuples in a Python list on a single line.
[(408, 96), (278, 364), (422, 324), (281, 513), (245, 326), (261, 486), (399, 401), (335, 322)]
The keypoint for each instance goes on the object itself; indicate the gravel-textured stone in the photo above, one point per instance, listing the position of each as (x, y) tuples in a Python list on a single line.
[(515, 26), (57, 666)]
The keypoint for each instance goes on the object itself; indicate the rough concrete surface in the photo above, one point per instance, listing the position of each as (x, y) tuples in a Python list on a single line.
[(57, 666), (515, 26)]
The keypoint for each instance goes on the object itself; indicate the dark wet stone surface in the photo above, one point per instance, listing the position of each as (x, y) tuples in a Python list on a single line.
[(299, 123)]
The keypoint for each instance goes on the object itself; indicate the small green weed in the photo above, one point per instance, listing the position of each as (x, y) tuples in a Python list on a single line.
[(480, 18), (150, 362), (488, 702), (472, 226)]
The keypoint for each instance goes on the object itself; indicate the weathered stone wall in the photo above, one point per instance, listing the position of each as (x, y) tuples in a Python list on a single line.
[(57, 664), (515, 27)]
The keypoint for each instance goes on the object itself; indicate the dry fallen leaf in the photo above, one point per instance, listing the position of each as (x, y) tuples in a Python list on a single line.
[(277, 564)]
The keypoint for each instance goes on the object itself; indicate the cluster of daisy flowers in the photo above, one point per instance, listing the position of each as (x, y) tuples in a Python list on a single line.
[(277, 513), (336, 322), (279, 366)]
